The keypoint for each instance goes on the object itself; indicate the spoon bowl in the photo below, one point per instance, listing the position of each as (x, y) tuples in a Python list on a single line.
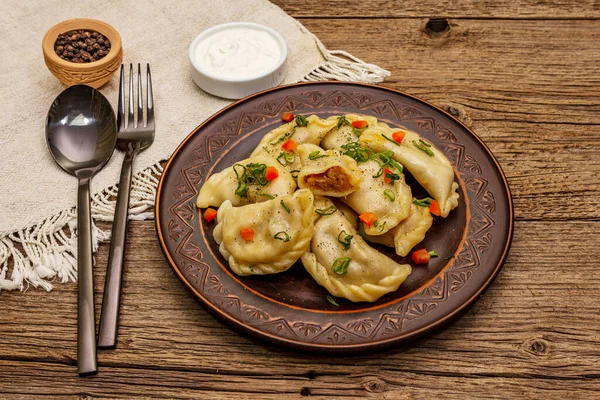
[(81, 132)]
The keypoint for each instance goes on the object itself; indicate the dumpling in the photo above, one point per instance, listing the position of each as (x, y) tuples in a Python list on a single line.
[(390, 202), (327, 173), (267, 237), (230, 184), (344, 264), (425, 162), (407, 234), (276, 143), (344, 132)]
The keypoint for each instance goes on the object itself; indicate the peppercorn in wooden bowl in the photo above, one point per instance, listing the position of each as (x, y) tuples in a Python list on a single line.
[(82, 51)]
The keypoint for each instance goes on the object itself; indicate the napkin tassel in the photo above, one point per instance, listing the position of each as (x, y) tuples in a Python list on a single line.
[(42, 253), (342, 66)]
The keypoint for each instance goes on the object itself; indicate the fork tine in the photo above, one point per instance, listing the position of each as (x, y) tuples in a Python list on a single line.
[(121, 106), (130, 122), (149, 99), (140, 106)]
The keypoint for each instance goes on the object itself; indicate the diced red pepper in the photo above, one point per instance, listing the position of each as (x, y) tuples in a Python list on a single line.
[(289, 145), (434, 208), (359, 124), (420, 256), (287, 116), (398, 136), (368, 218), (247, 234), (209, 214), (385, 178), (271, 173)]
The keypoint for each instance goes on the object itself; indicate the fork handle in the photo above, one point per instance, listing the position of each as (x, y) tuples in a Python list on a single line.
[(107, 336)]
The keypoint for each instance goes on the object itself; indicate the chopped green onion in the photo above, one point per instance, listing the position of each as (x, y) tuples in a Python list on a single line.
[(358, 131), (340, 265), (354, 150), (423, 149), (389, 194), (283, 236), (267, 195), (342, 120), (315, 154), (285, 207), (345, 240), (332, 301), (295, 173), (379, 173), (301, 120), (424, 143), (434, 253), (426, 202), (284, 158), (326, 211), (390, 140), (283, 137), (393, 177)]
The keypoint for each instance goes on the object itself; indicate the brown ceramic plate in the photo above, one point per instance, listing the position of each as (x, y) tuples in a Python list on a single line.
[(290, 308)]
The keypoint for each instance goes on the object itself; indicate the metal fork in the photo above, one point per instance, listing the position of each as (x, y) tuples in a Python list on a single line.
[(133, 136)]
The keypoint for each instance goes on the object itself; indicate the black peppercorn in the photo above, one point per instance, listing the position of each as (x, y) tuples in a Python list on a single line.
[(81, 46)]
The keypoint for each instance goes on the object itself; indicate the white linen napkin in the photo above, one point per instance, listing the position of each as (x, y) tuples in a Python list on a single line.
[(37, 198)]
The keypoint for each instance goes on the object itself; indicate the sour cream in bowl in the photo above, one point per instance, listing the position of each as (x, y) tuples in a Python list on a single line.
[(237, 59)]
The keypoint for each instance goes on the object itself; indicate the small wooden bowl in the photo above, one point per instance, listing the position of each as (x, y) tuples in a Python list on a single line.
[(94, 74)]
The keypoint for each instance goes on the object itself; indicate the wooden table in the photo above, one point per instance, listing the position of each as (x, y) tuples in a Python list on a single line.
[(526, 79)]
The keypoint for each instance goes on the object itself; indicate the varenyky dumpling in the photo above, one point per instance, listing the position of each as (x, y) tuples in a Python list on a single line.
[(344, 264), (245, 183), (344, 132), (280, 232), (389, 201), (327, 172), (281, 142), (424, 161), (408, 233)]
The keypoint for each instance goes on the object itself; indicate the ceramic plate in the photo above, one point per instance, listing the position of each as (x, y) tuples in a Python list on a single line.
[(290, 308)]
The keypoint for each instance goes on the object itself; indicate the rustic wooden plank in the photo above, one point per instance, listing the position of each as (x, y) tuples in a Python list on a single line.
[(23, 380), (486, 66), (503, 9), (538, 320)]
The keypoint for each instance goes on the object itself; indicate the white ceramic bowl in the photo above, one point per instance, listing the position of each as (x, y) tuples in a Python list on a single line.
[(237, 88)]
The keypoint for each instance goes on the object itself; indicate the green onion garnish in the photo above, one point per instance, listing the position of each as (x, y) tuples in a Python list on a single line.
[(393, 177), (283, 137), (285, 207), (295, 173), (284, 158), (423, 149), (326, 211), (340, 265), (315, 154), (267, 195), (283, 236), (389, 194), (390, 140), (434, 253), (342, 120), (426, 202), (332, 301), (344, 239), (424, 143), (301, 120)]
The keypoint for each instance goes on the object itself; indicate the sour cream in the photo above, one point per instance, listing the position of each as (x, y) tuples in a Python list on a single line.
[(238, 53)]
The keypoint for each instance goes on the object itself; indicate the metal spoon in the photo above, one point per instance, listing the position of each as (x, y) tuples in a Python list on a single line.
[(81, 132)]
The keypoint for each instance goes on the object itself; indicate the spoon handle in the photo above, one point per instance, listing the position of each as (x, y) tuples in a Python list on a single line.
[(109, 316), (86, 319)]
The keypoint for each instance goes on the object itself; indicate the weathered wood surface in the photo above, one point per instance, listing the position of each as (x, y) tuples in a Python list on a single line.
[(530, 90)]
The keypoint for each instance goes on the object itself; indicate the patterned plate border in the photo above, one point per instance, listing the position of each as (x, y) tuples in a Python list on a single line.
[(483, 251)]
